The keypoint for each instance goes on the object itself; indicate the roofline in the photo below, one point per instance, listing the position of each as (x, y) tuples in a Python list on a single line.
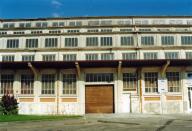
[(88, 17)]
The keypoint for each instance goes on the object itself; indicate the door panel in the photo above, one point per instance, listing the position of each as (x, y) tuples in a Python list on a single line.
[(99, 99)]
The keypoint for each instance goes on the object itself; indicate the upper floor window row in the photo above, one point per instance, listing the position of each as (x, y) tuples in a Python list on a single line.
[(99, 41), (97, 22)]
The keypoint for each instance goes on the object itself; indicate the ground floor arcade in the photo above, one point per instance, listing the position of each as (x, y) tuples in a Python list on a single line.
[(99, 87)]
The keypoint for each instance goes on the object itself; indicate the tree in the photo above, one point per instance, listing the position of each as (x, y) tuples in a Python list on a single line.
[(8, 105)]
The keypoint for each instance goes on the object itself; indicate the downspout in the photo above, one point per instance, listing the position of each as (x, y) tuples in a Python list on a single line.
[(57, 94), (163, 76), (140, 90)]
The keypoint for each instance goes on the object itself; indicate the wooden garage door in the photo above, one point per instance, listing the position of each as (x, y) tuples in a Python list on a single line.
[(99, 99)]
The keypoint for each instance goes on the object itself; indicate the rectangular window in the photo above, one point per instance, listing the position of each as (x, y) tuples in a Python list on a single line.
[(73, 31), (144, 30), (7, 83), (129, 81), (126, 30), (51, 42), (99, 77), (69, 84), (151, 82), (22, 25), (54, 32), (71, 42), (93, 23), (106, 22), (78, 23), (186, 40), (92, 41), (147, 40), (171, 55), (106, 30), (48, 57), (48, 84), (107, 56), (188, 55), (8, 25), (69, 57), (18, 32), (163, 29), (5, 25), (167, 40), (28, 57), (36, 32), (13, 43), (58, 24), (8, 58), (55, 24), (75, 23), (27, 84), (124, 22), (38, 24), (28, 25), (141, 22), (41, 24), (11, 25), (31, 43), (106, 41), (127, 41), (44, 24), (173, 79), (61, 24), (3, 33), (150, 55), (129, 56), (92, 30), (91, 56)]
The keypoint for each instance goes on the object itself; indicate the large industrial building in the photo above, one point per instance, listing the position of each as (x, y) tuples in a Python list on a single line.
[(79, 65)]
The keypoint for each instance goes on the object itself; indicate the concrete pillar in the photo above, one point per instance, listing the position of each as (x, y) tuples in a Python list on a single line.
[(16, 84), (81, 93)]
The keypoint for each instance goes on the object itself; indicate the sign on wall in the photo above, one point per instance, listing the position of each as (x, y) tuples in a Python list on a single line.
[(162, 85)]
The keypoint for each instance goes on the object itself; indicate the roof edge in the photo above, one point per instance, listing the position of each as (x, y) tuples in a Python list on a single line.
[(88, 17)]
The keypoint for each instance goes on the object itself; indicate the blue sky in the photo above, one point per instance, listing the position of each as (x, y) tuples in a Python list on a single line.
[(63, 8)]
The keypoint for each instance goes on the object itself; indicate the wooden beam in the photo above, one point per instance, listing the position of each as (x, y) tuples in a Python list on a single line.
[(35, 71), (78, 69), (164, 68)]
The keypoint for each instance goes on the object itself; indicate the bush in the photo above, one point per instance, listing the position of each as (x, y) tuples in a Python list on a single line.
[(8, 105)]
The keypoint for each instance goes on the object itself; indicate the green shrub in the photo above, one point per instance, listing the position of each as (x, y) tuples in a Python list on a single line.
[(8, 105)]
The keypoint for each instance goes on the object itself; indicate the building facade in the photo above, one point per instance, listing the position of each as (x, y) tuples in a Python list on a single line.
[(78, 65)]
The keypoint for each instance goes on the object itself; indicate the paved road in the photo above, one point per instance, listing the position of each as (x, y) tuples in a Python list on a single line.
[(115, 122)]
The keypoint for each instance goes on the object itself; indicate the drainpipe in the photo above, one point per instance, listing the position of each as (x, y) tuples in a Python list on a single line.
[(140, 91), (163, 76), (57, 88)]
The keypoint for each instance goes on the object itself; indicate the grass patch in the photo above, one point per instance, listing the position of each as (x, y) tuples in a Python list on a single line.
[(9, 118)]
